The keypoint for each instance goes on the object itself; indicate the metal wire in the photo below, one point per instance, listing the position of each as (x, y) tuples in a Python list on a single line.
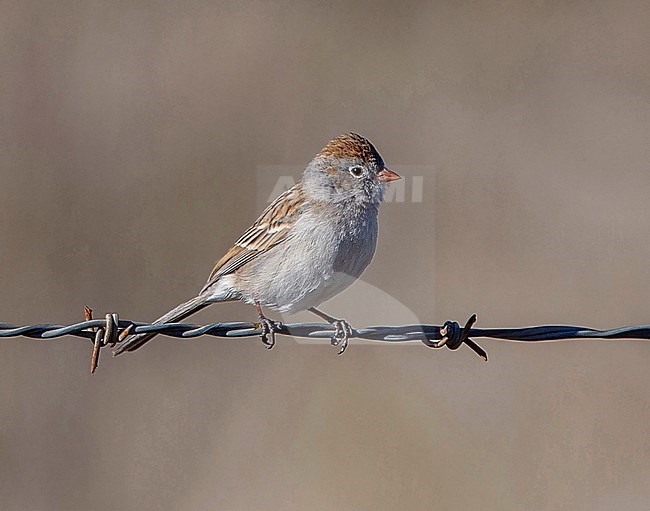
[(111, 329)]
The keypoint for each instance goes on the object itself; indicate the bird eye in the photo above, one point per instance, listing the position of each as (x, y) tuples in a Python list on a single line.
[(356, 170)]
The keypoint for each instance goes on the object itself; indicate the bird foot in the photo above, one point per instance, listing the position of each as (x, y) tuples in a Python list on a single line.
[(341, 335), (269, 328)]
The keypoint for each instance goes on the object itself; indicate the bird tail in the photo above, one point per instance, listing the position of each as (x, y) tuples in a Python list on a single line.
[(179, 313)]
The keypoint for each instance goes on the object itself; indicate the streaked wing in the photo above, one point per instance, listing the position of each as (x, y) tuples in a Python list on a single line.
[(271, 228)]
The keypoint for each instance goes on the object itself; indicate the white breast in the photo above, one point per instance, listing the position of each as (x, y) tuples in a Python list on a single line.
[(321, 258)]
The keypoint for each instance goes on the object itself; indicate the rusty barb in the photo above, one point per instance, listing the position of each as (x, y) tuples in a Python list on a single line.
[(107, 335), (111, 330)]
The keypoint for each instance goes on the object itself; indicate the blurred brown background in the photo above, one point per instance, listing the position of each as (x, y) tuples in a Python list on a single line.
[(132, 135)]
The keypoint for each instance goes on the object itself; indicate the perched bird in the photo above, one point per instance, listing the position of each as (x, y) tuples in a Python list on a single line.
[(310, 244)]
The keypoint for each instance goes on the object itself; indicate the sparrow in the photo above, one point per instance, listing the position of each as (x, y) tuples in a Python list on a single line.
[(307, 246)]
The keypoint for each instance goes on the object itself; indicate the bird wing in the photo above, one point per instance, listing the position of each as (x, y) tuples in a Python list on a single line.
[(271, 228)]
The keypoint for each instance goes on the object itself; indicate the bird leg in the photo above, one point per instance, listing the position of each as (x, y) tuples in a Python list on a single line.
[(268, 327), (343, 330)]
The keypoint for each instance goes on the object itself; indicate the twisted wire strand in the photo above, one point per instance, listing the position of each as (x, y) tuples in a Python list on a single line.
[(430, 335), (402, 333)]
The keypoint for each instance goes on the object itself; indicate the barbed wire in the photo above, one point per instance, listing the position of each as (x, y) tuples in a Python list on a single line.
[(111, 330)]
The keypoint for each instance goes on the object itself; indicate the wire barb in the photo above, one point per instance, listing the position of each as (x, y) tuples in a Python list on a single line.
[(107, 335), (453, 337), (111, 329)]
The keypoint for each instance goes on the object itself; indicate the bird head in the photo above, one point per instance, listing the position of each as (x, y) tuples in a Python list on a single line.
[(348, 169)]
